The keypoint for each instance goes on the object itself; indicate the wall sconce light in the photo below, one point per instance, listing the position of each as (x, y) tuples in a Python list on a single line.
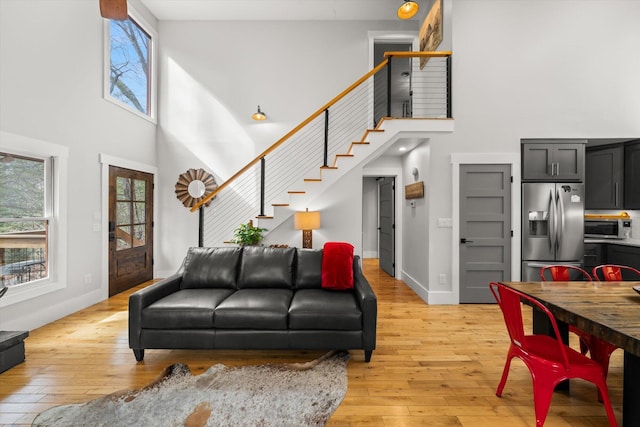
[(408, 9), (259, 115), (306, 221)]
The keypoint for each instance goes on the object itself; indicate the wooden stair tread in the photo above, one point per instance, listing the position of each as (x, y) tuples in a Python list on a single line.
[(313, 180), (297, 192), (328, 167), (280, 204), (264, 217), (344, 155)]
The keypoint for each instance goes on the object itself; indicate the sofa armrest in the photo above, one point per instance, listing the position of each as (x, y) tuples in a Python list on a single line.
[(368, 304), (143, 298)]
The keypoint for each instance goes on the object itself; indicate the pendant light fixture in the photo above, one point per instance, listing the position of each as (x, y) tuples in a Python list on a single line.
[(408, 9), (259, 115)]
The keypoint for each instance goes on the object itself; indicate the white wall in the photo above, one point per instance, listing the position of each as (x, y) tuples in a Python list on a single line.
[(415, 238), (214, 74), (340, 216), (533, 69), (51, 68), (370, 217)]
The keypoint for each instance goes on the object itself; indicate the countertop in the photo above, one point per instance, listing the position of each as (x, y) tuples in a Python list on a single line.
[(624, 242)]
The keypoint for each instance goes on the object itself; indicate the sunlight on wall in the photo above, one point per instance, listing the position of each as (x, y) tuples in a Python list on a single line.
[(203, 125)]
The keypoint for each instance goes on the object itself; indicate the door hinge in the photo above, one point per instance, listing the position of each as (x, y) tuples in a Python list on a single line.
[(511, 233), (511, 178), (393, 226), (393, 264)]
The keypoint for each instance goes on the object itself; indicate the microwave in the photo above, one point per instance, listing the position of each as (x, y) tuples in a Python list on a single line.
[(607, 228)]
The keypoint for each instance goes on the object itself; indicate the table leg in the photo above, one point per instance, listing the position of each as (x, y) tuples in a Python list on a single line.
[(542, 325), (631, 391)]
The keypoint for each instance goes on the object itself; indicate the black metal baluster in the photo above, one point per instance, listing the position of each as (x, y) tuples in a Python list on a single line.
[(201, 226), (449, 108), (262, 167), (326, 136), (389, 86)]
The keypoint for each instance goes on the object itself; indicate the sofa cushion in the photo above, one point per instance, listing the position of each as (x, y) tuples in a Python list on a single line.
[(266, 268), (308, 269), (337, 266), (211, 268), (184, 309), (254, 309), (316, 309)]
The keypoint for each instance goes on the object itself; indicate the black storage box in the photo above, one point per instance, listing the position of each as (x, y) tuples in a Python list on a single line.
[(11, 349)]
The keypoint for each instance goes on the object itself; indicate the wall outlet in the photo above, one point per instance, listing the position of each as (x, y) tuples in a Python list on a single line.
[(88, 279), (442, 279)]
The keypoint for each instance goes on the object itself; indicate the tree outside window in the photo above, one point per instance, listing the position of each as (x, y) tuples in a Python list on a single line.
[(23, 219), (129, 69)]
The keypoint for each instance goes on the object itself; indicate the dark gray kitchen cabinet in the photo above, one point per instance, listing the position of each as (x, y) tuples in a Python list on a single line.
[(553, 160), (624, 255), (632, 175), (604, 177), (594, 254)]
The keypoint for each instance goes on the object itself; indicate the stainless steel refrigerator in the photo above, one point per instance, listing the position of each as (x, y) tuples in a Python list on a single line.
[(552, 226)]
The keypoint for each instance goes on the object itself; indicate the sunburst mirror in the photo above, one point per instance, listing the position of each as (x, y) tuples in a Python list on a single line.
[(193, 186)]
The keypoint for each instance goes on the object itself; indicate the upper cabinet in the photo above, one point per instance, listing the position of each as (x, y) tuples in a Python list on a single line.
[(604, 179), (632, 175), (553, 160), (612, 178)]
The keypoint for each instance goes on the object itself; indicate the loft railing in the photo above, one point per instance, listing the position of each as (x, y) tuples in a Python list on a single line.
[(401, 86)]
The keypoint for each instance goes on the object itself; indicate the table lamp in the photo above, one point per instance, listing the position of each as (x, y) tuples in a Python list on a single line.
[(306, 221)]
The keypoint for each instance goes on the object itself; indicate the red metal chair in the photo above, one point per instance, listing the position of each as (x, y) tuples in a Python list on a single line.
[(566, 273), (562, 273), (548, 359), (601, 350), (613, 272)]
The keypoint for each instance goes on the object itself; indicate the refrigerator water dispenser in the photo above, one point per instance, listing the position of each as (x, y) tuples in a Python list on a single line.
[(538, 223)]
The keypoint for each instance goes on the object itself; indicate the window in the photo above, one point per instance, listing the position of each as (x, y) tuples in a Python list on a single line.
[(33, 217), (25, 209), (130, 59)]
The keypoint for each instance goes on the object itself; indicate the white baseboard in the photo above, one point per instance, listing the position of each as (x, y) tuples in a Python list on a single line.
[(369, 254), (46, 313), (428, 296)]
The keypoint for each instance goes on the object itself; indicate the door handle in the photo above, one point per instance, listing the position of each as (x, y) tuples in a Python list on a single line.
[(464, 240), (112, 231)]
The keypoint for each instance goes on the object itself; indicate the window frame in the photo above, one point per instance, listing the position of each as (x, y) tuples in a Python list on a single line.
[(56, 158), (153, 65)]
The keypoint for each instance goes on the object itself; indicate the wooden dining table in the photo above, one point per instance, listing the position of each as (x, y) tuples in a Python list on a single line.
[(608, 310)]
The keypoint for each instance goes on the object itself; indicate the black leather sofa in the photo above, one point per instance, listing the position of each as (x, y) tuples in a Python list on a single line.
[(252, 298)]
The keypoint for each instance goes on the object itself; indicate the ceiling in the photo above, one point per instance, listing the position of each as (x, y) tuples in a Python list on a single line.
[(273, 10)]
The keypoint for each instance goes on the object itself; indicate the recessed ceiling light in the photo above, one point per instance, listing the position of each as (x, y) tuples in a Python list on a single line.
[(402, 148)]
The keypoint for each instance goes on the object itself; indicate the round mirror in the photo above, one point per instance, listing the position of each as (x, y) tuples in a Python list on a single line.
[(196, 189), (194, 185)]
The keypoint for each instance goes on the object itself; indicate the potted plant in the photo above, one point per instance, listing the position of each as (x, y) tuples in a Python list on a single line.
[(247, 234)]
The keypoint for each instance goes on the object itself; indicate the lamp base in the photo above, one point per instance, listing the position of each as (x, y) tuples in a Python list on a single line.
[(307, 242)]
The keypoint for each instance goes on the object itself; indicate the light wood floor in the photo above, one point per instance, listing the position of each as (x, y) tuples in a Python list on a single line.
[(433, 366)]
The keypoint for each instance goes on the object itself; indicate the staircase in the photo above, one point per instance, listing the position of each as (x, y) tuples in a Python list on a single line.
[(313, 157)]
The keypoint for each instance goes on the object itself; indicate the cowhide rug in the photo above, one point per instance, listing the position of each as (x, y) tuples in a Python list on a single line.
[(296, 394)]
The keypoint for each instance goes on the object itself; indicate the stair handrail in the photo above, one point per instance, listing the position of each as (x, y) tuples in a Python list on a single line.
[(321, 110)]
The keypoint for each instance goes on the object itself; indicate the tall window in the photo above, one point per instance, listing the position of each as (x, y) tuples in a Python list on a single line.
[(25, 214), (131, 67)]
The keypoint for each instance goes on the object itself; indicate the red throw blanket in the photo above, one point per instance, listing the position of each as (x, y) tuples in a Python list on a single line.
[(337, 266)]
